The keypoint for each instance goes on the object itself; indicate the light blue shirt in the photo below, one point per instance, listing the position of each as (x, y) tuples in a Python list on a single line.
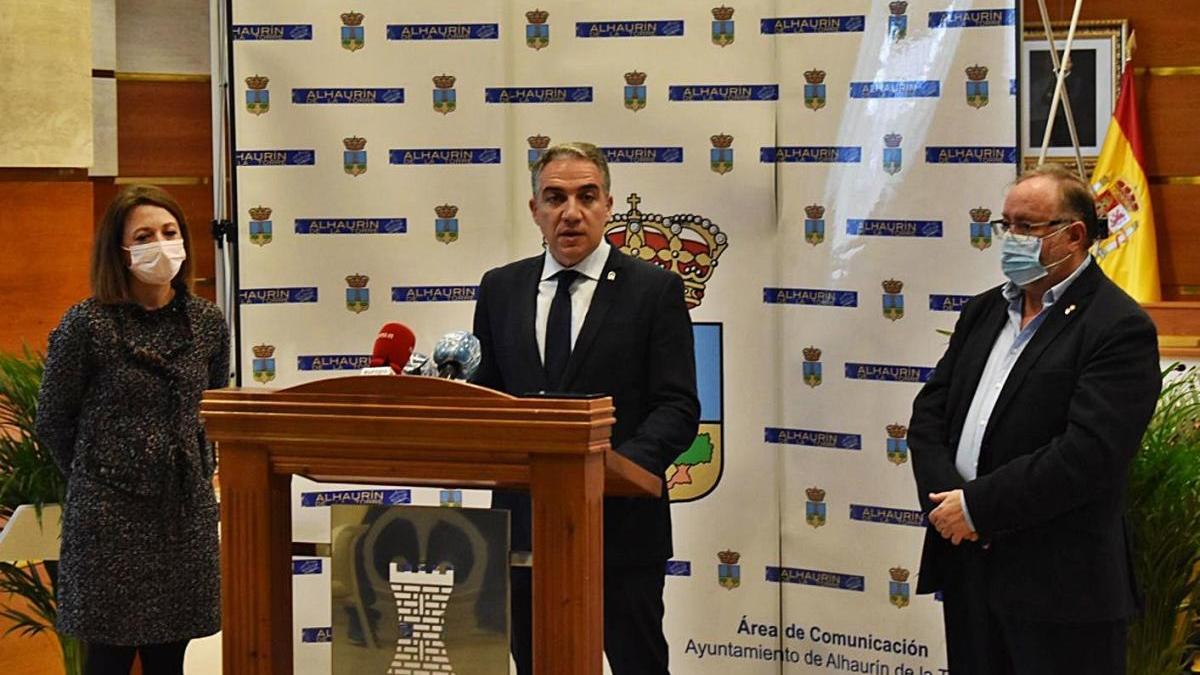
[(1005, 351)]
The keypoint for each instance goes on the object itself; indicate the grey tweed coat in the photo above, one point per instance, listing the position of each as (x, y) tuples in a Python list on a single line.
[(119, 409)]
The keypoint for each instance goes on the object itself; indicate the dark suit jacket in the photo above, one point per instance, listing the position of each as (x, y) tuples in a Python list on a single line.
[(1049, 497), (636, 346)]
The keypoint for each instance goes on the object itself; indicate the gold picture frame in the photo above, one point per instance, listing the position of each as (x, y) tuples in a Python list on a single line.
[(1098, 55)]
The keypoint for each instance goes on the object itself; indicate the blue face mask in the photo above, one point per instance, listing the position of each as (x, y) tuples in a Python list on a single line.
[(1021, 258)]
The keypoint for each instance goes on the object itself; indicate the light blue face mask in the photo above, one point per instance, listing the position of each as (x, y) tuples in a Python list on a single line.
[(1021, 258)]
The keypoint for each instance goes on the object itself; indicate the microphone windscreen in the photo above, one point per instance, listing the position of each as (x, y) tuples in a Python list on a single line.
[(457, 355), (393, 345)]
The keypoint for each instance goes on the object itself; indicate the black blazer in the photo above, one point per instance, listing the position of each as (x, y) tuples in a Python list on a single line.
[(1049, 499), (636, 346)]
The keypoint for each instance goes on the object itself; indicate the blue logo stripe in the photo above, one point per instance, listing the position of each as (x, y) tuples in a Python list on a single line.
[(264, 296), (894, 228), (372, 497), (351, 225), (333, 362), (435, 156), (973, 18), (887, 373), (443, 31), (844, 154), (793, 575), (667, 155), (629, 29), (887, 515), (306, 566), (970, 154), (347, 95), (947, 303), (272, 31), (813, 24), (723, 92), (823, 297), (679, 568), (275, 157), (896, 89), (434, 293), (316, 634), (537, 94), (813, 438)]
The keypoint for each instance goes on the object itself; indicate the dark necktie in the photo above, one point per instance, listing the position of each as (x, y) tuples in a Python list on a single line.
[(558, 330)]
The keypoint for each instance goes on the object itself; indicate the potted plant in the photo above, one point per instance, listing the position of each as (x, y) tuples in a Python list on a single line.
[(28, 475), (1164, 509)]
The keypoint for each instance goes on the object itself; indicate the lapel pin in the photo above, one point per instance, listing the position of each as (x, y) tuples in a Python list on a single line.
[(612, 276), (1069, 310)]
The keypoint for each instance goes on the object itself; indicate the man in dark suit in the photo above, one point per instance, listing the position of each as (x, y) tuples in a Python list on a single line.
[(585, 318), (1021, 441)]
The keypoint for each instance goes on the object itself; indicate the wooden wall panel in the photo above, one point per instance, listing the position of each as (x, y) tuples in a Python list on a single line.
[(1178, 244), (45, 248), (1170, 108), (1166, 31), (164, 128)]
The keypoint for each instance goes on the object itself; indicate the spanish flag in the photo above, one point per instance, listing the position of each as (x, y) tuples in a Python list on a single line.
[(1129, 255)]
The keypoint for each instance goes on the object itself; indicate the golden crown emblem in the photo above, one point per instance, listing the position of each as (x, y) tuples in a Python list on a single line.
[(892, 140), (897, 7), (896, 430), (722, 13), (688, 245), (260, 213), (898, 574), (977, 73), (443, 81), (812, 353), (721, 140), (814, 211), (635, 78), (728, 557), (352, 18), (981, 215), (354, 143), (357, 280), (815, 494), (814, 76), (263, 351), (893, 286), (446, 210), (257, 82), (537, 16), (539, 142)]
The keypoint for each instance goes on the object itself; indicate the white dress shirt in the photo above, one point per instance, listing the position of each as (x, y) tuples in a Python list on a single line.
[(582, 290)]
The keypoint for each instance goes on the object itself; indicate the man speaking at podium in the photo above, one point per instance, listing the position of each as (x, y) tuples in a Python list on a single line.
[(584, 318)]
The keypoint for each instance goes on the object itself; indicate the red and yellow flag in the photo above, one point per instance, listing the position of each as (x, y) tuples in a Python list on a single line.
[(1130, 254)]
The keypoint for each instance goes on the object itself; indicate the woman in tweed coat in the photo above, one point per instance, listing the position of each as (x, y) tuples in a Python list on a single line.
[(119, 409)]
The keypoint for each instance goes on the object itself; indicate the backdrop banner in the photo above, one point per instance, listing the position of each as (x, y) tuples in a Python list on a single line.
[(819, 173)]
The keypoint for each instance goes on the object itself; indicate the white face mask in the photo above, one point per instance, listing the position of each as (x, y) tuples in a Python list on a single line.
[(157, 262)]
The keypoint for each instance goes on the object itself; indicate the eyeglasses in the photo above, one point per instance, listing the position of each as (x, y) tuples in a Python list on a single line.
[(1003, 228)]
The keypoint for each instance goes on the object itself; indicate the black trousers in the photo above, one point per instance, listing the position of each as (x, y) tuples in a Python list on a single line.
[(633, 616), (159, 659), (981, 642)]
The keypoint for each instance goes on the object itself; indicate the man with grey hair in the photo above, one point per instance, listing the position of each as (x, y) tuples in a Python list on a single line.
[(584, 318), (1021, 442)]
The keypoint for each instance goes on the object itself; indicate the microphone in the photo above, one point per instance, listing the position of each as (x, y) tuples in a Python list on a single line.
[(420, 364), (393, 346), (457, 355)]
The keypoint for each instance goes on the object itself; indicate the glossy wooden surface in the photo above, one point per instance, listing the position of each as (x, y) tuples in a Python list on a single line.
[(416, 431)]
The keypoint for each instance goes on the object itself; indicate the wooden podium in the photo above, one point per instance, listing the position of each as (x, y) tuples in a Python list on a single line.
[(425, 432)]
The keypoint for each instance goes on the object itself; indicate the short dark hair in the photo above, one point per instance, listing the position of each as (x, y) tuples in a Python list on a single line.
[(576, 149), (1075, 197), (109, 274)]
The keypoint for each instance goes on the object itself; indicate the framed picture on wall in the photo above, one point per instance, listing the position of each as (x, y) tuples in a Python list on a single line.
[(1093, 83)]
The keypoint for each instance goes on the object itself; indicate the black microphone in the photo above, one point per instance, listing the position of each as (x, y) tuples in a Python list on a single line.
[(393, 346), (457, 355)]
